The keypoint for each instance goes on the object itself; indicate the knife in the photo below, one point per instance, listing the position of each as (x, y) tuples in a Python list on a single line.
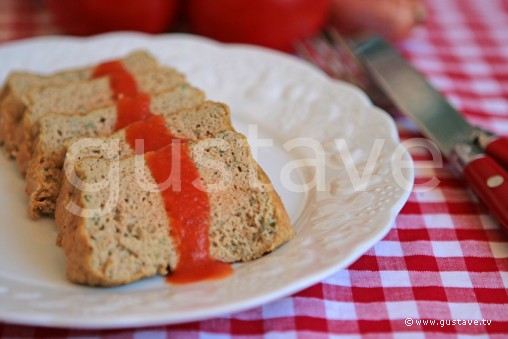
[(478, 154)]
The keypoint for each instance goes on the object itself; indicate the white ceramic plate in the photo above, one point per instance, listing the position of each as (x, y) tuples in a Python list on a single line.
[(282, 99)]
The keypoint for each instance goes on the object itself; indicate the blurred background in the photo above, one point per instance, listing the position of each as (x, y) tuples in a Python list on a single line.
[(271, 23)]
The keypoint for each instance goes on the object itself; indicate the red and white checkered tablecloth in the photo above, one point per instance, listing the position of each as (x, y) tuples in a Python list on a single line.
[(444, 258)]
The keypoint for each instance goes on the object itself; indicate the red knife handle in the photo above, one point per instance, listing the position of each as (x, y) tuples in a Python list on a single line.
[(498, 149), (490, 183)]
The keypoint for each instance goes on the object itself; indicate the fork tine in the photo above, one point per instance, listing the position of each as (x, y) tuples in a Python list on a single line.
[(375, 93), (340, 44), (333, 54), (323, 53)]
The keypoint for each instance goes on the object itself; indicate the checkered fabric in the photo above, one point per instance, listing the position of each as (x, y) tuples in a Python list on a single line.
[(444, 264), (24, 19)]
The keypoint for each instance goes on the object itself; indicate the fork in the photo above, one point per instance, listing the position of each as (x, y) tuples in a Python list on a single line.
[(334, 54)]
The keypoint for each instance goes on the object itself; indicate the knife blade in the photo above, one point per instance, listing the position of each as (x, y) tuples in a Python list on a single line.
[(411, 93), (479, 154)]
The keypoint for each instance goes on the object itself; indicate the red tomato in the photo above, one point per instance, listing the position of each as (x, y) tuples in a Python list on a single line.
[(85, 17), (271, 23)]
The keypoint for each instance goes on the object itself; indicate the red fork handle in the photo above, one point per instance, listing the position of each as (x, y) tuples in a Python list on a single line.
[(489, 181), (498, 149)]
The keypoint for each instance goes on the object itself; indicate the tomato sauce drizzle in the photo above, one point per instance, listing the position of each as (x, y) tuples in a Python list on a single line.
[(186, 202), (153, 133), (131, 104), (122, 82), (132, 109), (188, 208)]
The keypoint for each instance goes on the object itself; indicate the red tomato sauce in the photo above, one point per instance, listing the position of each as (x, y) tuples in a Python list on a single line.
[(132, 109), (185, 201), (122, 82), (152, 131), (188, 209)]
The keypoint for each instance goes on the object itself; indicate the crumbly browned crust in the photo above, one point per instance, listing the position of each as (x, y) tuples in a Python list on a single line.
[(122, 244)]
